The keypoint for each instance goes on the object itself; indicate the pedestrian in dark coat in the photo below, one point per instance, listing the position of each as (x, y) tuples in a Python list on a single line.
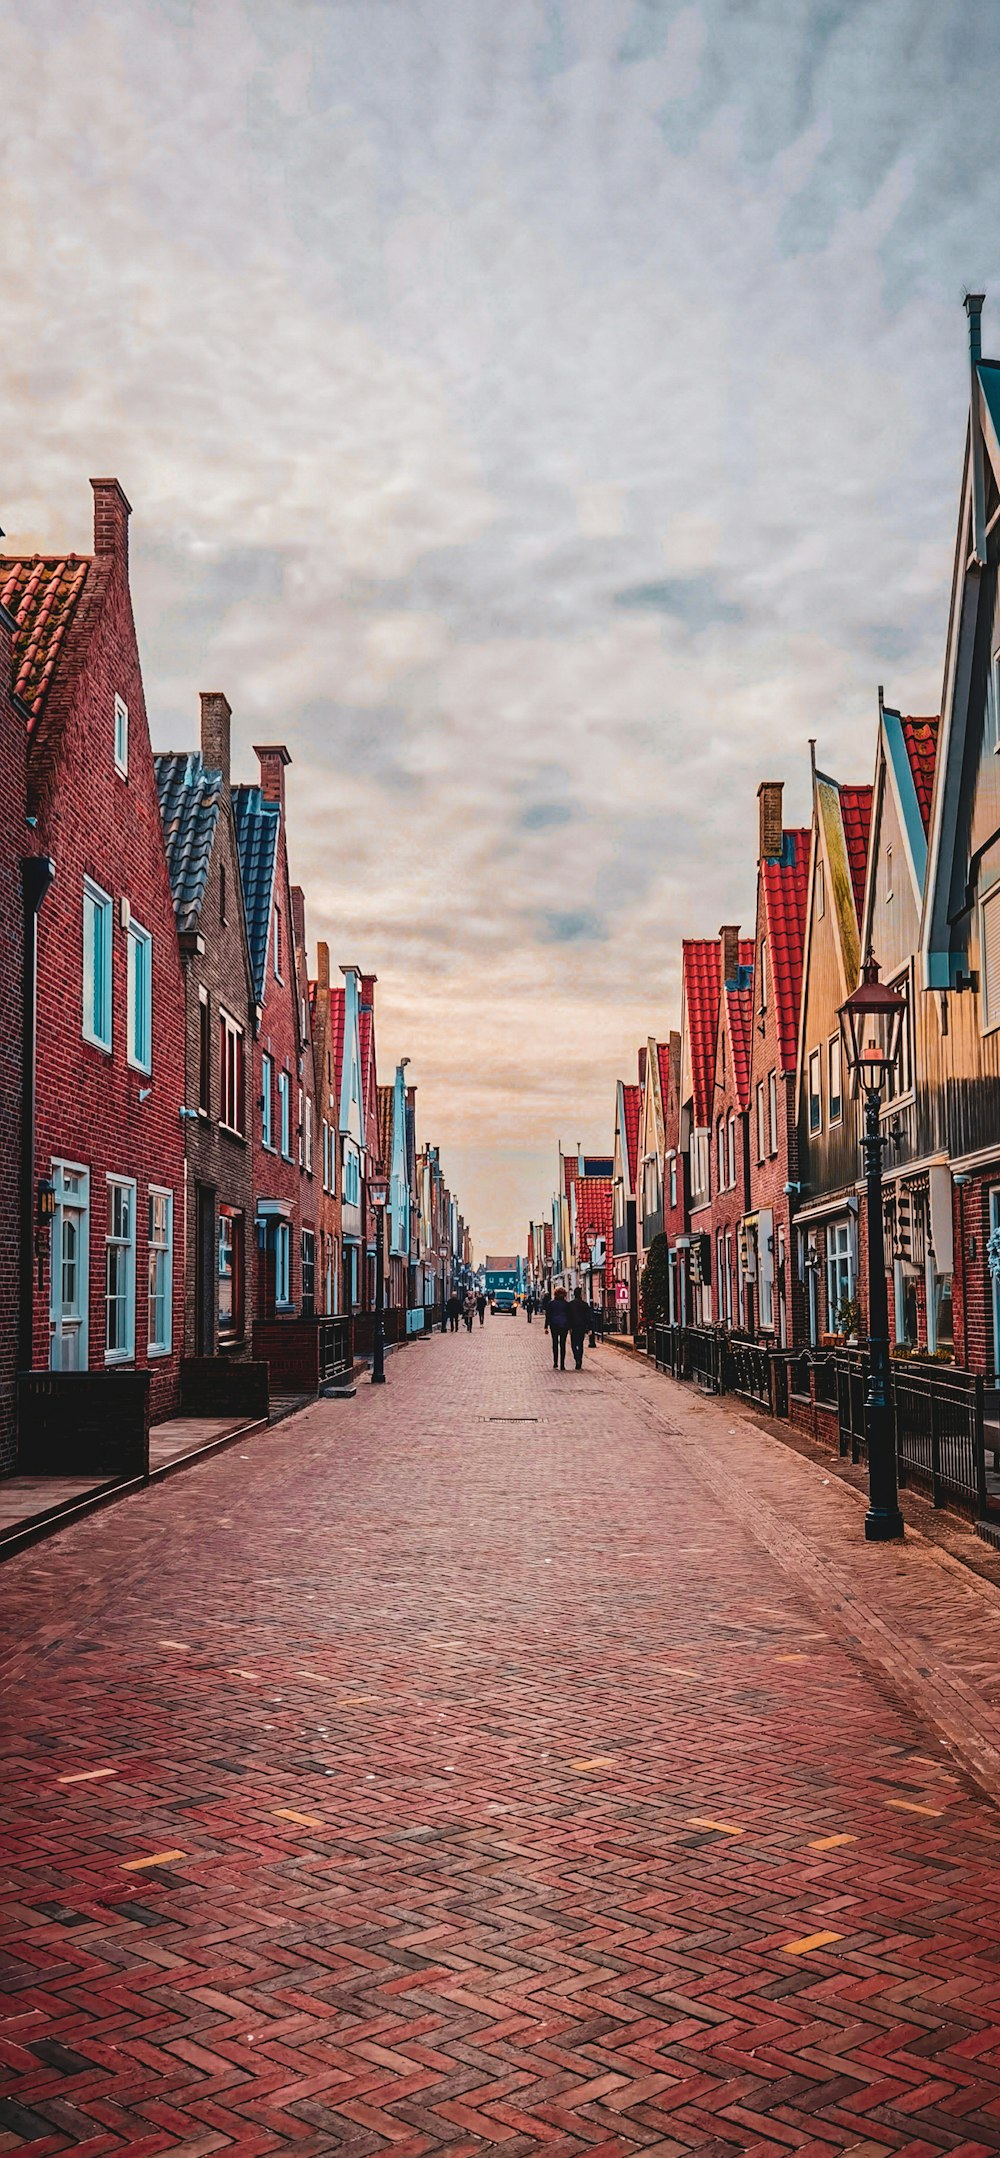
[(559, 1329), (546, 1309), (579, 1325), (454, 1308), (481, 1307)]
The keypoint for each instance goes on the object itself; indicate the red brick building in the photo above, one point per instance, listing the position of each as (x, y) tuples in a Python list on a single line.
[(283, 1078), (17, 913), (700, 990), (322, 998), (735, 1303), (767, 1244), (110, 1031)]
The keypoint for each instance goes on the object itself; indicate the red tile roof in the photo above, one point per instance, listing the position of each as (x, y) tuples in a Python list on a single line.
[(632, 1098), (594, 1210), (921, 737), (571, 1171), (385, 1106), (337, 1008), (856, 812), (702, 966), (42, 592), (739, 1008), (786, 891)]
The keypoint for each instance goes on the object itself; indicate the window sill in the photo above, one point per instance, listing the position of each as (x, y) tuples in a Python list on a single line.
[(229, 1131), (145, 1071), (155, 1352), (119, 1356), (104, 1049)]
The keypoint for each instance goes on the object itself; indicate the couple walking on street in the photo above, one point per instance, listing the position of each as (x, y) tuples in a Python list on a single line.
[(567, 1320)]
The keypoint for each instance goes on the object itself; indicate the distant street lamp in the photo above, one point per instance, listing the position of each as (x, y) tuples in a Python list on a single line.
[(378, 1192), (444, 1248), (591, 1248), (871, 1023)]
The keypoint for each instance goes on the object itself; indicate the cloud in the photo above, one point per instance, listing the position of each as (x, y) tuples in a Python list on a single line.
[(545, 418)]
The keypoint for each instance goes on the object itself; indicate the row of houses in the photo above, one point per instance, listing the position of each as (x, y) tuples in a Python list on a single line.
[(737, 1138), (191, 1117)]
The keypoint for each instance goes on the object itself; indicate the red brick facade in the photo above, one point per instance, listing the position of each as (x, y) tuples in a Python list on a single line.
[(108, 1129), (16, 841), (782, 881), (327, 1163)]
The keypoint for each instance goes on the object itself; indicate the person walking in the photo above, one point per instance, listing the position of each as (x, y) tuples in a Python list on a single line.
[(559, 1329), (469, 1311), (579, 1325), (529, 1305), (547, 1308), (454, 1307), (481, 1307)]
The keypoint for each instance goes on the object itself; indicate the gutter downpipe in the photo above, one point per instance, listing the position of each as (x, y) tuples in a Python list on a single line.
[(37, 872)]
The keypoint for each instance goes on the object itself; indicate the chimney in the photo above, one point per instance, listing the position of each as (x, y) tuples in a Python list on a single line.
[(111, 515), (323, 968), (642, 1067), (367, 999), (272, 758), (730, 938), (769, 795), (298, 899), (216, 715)]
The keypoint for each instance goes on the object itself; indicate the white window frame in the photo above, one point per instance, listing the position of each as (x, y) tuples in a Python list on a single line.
[(72, 1189), (121, 736), (285, 1115), (899, 1082), (731, 1149), (889, 889), (97, 906), (762, 983), (772, 1107), (161, 1345), (139, 940), (720, 1152), (673, 1181), (232, 1073), (126, 1353), (352, 1175), (282, 1264), (814, 1094), (267, 1102), (835, 1049), (761, 1133), (308, 1129), (839, 1269)]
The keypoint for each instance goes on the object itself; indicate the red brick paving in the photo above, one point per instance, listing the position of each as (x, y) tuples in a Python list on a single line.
[(505, 1772)]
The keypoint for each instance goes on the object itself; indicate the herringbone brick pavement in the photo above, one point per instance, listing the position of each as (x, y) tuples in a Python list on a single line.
[(456, 1769)]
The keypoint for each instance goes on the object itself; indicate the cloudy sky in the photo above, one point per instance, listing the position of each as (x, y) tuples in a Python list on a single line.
[(543, 415)]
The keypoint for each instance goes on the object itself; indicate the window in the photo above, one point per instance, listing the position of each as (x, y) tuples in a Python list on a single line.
[(820, 892), (140, 997), (266, 1100), (231, 1111), (300, 1131), (204, 1055), (720, 1142), (352, 1177), (772, 1103), (119, 1294), (308, 1273), (888, 872), (277, 943), (762, 976), (835, 1091), (989, 938), (222, 893), (815, 1092), (673, 1180), (96, 965), (309, 1135), (899, 1081), (839, 1271), (282, 1263), (121, 737), (761, 1131), (731, 1164), (161, 1270), (230, 1296), (285, 1114)]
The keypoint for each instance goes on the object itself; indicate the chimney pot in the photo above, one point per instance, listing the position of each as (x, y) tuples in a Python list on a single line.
[(216, 715), (112, 511), (769, 797)]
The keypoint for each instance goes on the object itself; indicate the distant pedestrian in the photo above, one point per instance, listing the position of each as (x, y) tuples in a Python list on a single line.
[(529, 1305), (547, 1308), (558, 1325), (469, 1311), (580, 1323), (481, 1307), (454, 1308)]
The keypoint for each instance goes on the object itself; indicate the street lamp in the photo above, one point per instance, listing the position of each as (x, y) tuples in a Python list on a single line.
[(378, 1192), (444, 1248), (591, 1247), (871, 1024)]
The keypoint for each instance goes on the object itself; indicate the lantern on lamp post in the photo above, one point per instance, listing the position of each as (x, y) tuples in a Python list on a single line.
[(378, 1192), (871, 1024)]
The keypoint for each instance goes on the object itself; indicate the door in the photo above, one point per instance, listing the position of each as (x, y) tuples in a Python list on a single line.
[(205, 1291), (69, 1285)]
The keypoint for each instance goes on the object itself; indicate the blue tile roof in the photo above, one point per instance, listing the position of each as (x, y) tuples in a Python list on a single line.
[(190, 799), (257, 825)]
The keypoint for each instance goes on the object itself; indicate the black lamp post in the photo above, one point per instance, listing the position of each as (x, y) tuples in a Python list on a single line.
[(591, 1248), (378, 1192), (871, 1022), (444, 1249)]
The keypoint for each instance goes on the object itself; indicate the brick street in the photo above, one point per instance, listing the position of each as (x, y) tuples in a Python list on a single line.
[(457, 1768)]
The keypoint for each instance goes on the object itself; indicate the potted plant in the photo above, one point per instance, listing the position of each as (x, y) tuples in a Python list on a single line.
[(849, 1319)]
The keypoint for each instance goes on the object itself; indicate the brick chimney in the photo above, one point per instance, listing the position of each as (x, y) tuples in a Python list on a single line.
[(367, 998), (298, 899), (216, 717), (642, 1067), (772, 830), (112, 511), (730, 940), (272, 758), (323, 969)]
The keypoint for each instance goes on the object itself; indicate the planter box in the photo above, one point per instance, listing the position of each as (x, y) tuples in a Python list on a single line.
[(83, 1423)]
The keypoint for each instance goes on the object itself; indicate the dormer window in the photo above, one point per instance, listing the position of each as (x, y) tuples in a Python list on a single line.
[(121, 737)]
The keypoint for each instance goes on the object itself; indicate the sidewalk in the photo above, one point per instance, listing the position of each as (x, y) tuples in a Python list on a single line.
[(926, 1613)]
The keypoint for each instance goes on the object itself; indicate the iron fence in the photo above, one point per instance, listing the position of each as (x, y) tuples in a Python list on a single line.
[(705, 1351), (939, 1433), (747, 1370)]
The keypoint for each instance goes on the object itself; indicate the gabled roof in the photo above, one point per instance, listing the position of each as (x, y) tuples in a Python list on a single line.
[(920, 737), (257, 826), (338, 1000), (701, 974), (594, 1209), (632, 1100), (739, 1011), (190, 801), (856, 814), (42, 592), (786, 892)]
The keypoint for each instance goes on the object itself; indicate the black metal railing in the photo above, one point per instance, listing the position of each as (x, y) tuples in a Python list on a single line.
[(669, 1350), (705, 1349), (336, 1351), (747, 1370), (939, 1433), (852, 1384)]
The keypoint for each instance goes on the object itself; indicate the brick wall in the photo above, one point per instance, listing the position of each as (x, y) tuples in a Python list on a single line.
[(274, 1177), (15, 841), (94, 1109)]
